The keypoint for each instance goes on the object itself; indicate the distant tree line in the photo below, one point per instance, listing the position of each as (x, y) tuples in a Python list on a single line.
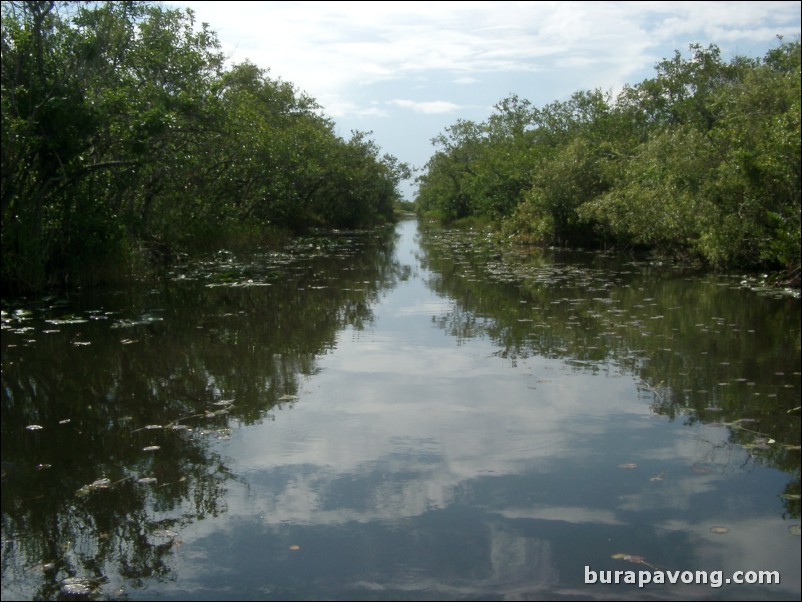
[(123, 130), (702, 162)]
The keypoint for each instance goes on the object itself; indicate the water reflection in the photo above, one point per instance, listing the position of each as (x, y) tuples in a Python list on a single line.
[(113, 402), (464, 424), (702, 348)]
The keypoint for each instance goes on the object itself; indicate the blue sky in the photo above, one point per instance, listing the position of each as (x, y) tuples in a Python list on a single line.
[(407, 70)]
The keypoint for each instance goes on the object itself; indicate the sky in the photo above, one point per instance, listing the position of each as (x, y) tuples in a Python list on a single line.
[(405, 71)]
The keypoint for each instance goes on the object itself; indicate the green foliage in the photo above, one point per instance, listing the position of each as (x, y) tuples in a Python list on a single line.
[(446, 187), (572, 175), (658, 200), (123, 129), (701, 161)]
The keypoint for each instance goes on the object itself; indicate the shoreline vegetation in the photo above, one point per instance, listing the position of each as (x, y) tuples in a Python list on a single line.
[(127, 142), (700, 163)]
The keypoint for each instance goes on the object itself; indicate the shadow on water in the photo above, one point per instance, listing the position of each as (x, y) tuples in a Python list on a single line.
[(111, 401), (116, 406), (707, 349)]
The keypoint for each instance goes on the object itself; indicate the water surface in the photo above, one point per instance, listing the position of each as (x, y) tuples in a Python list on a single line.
[(415, 414)]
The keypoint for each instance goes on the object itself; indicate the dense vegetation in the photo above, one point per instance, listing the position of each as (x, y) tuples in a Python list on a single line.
[(124, 130), (702, 161)]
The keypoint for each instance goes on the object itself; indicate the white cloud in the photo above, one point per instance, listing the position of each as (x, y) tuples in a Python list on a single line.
[(358, 58), (336, 106), (327, 47), (432, 107)]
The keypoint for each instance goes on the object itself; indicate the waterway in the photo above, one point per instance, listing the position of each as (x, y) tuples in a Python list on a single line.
[(415, 414)]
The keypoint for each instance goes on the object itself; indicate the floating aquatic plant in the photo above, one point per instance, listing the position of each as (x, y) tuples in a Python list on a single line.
[(634, 558), (79, 586)]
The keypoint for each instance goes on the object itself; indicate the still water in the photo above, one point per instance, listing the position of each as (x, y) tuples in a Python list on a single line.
[(411, 414)]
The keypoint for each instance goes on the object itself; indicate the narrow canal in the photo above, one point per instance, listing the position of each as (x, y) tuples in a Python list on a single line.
[(411, 414)]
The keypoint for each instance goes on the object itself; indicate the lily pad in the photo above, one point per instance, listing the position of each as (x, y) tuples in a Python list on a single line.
[(78, 586), (633, 558), (103, 483), (629, 557)]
